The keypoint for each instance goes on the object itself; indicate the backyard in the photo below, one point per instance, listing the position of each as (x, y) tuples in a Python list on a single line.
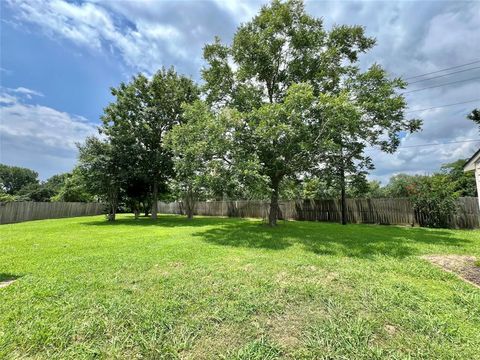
[(233, 288)]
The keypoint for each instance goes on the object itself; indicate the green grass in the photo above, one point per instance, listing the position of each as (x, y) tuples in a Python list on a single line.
[(232, 288)]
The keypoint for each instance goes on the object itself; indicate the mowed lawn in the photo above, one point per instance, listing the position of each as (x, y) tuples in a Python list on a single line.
[(234, 289)]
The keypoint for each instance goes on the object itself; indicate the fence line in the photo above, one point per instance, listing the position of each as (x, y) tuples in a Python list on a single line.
[(395, 211), (13, 212)]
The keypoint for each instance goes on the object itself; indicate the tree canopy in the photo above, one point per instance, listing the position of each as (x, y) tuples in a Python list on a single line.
[(136, 123), (304, 102), (14, 178), (285, 104)]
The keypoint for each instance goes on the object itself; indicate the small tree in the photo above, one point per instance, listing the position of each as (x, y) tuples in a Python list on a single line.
[(198, 147), (367, 112), (101, 170)]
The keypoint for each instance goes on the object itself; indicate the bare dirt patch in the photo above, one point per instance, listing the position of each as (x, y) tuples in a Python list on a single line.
[(5, 283), (390, 329), (463, 266)]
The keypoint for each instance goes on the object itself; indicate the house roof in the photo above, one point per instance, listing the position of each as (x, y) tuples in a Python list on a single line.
[(470, 164)]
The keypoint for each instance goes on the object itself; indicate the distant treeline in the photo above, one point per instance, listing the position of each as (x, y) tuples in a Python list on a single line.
[(22, 184)]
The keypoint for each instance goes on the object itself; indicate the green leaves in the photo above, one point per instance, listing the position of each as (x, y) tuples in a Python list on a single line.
[(13, 178), (305, 106)]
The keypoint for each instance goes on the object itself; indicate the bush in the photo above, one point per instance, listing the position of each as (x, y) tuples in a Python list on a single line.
[(434, 201), (4, 197)]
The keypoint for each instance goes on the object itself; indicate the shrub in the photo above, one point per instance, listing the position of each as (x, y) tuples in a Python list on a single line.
[(434, 201), (4, 197)]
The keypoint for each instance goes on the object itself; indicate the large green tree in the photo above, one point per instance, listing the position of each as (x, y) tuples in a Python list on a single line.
[(136, 123), (283, 46)]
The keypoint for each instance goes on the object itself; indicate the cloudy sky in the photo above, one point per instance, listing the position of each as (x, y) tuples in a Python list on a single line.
[(59, 59)]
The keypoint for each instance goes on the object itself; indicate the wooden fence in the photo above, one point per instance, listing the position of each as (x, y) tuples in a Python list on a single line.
[(369, 211), (13, 212)]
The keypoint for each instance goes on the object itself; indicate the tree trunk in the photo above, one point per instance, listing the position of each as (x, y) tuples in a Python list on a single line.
[(112, 200), (155, 200), (112, 211), (273, 214), (113, 214), (189, 204), (343, 196), (146, 208)]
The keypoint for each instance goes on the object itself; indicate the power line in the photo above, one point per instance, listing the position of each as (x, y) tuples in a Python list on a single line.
[(438, 71), (442, 106), (432, 144), (435, 86), (435, 144), (443, 75)]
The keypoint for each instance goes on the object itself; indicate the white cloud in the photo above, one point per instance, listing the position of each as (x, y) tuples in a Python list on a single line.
[(38, 136), (143, 44), (27, 92), (413, 38), (241, 10)]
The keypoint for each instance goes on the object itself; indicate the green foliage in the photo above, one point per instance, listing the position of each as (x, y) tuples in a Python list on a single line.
[(13, 178), (402, 185), (100, 167), (198, 145), (463, 182), (4, 197), (72, 188), (61, 187), (136, 123), (374, 190), (56, 182), (460, 183), (433, 200), (35, 192), (303, 98), (475, 116)]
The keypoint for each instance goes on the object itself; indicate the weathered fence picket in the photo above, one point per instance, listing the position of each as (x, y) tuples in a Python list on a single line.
[(398, 211)]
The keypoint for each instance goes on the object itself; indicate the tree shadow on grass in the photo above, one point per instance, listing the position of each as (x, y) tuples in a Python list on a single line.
[(318, 237), (162, 221), (354, 240)]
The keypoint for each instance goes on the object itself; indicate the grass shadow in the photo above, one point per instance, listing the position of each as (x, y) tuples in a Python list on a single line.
[(162, 220), (354, 240), (6, 277), (322, 238)]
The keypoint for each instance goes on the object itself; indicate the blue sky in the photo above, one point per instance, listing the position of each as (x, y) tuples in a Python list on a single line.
[(58, 60)]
